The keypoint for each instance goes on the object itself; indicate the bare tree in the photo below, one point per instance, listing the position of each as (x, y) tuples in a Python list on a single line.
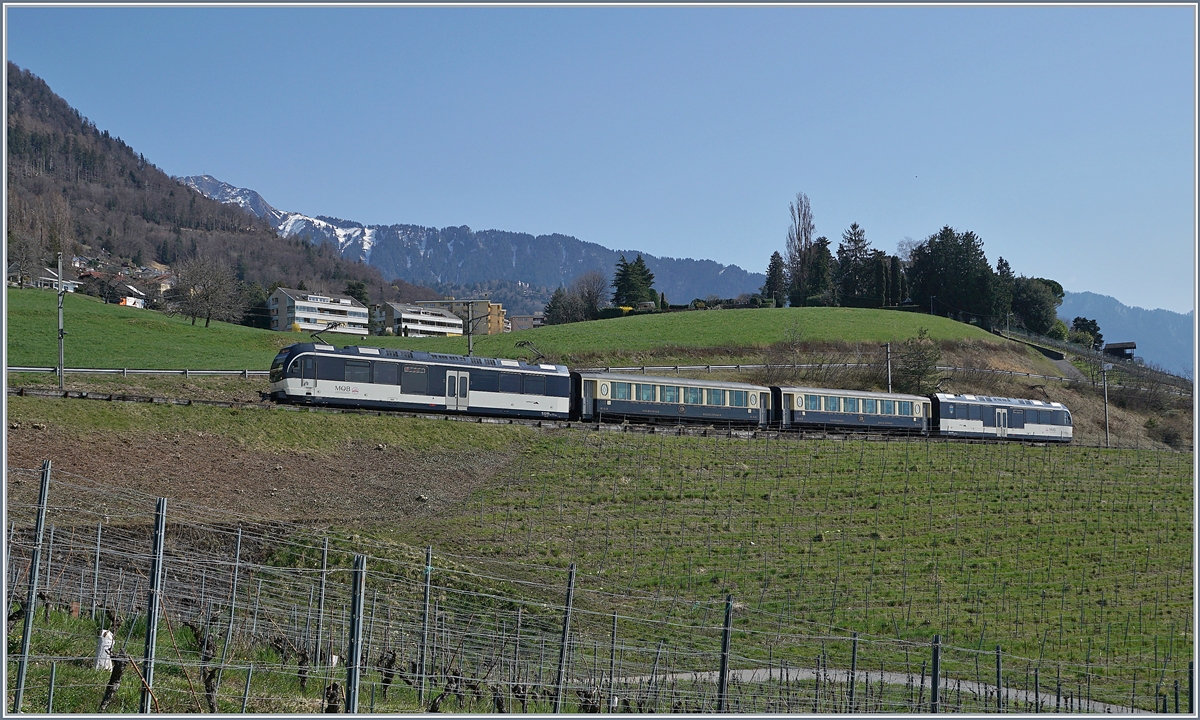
[(207, 289), (26, 235), (799, 238), (591, 288), (60, 236)]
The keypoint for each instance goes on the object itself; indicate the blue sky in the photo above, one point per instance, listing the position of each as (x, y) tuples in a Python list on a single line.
[(1063, 136)]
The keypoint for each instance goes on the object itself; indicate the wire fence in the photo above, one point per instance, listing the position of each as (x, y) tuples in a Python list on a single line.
[(259, 616)]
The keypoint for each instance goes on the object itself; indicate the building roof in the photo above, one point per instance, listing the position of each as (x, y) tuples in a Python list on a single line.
[(311, 295), (418, 310), (1121, 346)]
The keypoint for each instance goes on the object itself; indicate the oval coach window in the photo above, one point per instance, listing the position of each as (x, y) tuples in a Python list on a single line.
[(604, 389), (753, 398)]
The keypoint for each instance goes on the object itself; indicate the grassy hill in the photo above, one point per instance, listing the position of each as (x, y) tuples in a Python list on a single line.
[(1077, 561), (102, 335)]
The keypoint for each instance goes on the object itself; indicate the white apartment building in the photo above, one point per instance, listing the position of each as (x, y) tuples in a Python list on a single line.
[(417, 321), (314, 311)]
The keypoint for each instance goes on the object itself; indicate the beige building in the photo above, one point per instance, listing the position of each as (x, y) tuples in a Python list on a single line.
[(416, 321), (314, 311), (484, 316), (527, 322)]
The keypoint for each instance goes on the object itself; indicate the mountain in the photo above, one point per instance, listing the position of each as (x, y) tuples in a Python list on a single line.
[(1163, 337), (79, 189), (464, 257)]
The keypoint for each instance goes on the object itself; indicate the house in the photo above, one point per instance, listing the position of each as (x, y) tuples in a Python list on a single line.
[(136, 300), (484, 316), (416, 321), (311, 311), (1121, 350), (49, 279), (528, 322)]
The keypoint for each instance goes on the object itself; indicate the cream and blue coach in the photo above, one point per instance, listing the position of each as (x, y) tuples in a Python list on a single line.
[(849, 410), (981, 416), (612, 396), (387, 379)]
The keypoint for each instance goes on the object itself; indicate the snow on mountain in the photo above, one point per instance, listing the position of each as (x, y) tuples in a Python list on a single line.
[(247, 199)]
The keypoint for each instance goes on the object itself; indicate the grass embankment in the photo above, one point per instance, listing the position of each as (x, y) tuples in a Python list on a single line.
[(1072, 559), (102, 335)]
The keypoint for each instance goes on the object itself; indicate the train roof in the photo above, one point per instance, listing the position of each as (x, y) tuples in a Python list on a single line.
[(880, 394), (422, 356), (989, 400), (659, 380)]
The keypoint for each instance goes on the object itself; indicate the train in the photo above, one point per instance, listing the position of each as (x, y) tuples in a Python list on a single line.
[(317, 373)]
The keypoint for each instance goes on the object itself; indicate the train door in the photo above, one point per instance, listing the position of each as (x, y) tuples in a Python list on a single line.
[(456, 390), (764, 409), (308, 373), (1001, 422), (589, 391)]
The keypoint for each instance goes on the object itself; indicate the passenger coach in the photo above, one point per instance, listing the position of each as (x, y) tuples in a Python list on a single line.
[(849, 409), (674, 400), (319, 374), (978, 416)]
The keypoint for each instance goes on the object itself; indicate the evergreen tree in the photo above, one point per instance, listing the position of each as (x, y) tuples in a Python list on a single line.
[(854, 269), (633, 283), (357, 289), (776, 286), (896, 284), (563, 308), (817, 288), (951, 266), (882, 274), (1091, 328), (662, 301)]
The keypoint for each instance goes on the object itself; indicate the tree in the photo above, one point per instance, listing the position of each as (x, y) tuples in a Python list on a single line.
[(590, 288), (1092, 329), (205, 288), (662, 301), (951, 266), (633, 283), (897, 285), (799, 242), (564, 307), (916, 365), (26, 235), (854, 270), (1034, 304), (818, 288), (357, 289), (1058, 330), (882, 275), (776, 285)]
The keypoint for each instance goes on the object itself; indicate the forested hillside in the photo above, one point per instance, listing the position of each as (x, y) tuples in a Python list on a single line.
[(79, 189)]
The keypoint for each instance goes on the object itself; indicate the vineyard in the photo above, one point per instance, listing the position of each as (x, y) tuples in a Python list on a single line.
[(634, 572)]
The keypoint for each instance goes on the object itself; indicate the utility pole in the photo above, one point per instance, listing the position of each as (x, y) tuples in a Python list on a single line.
[(470, 328), (1104, 371), (889, 366), (62, 290)]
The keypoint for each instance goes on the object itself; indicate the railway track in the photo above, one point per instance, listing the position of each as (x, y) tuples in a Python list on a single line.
[(642, 428)]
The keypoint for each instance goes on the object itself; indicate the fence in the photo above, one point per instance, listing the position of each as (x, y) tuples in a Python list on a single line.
[(272, 617)]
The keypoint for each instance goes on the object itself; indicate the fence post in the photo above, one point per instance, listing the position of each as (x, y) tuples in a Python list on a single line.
[(246, 691), (935, 686), (723, 677), (424, 628), (1191, 673), (562, 652), (54, 672), (321, 607), (96, 569), (354, 658), (999, 682), (152, 602), (1037, 690), (853, 667), (237, 563), (612, 666), (31, 598)]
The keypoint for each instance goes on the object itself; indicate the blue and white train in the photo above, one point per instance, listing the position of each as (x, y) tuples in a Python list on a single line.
[(368, 377)]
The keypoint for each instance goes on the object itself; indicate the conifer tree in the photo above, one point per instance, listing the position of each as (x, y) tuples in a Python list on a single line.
[(776, 285)]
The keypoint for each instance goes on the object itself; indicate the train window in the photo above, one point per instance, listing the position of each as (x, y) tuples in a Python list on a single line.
[(558, 386), (1067, 418), (386, 373), (510, 383), (668, 394), (975, 412), (413, 380), (812, 402), (948, 410), (451, 385), (693, 396), (831, 403), (1036, 417), (645, 393), (485, 381), (869, 406), (358, 371), (330, 368), (620, 391), (714, 397), (737, 398), (906, 407), (850, 405), (535, 384), (889, 407)]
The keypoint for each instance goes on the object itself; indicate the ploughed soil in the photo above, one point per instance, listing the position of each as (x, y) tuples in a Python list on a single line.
[(360, 485)]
